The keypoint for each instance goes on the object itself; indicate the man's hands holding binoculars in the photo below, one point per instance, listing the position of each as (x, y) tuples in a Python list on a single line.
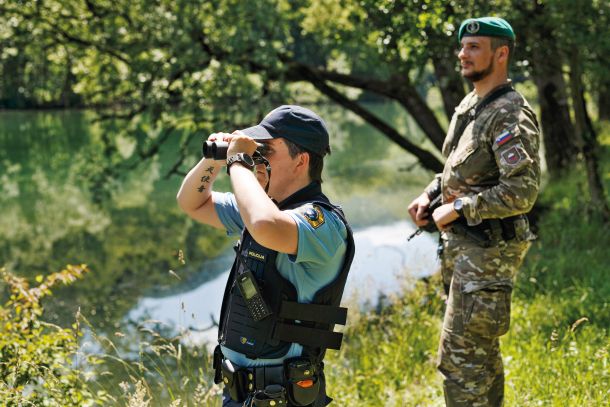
[(219, 146)]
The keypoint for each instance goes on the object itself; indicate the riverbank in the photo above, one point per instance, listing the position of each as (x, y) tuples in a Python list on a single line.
[(556, 352)]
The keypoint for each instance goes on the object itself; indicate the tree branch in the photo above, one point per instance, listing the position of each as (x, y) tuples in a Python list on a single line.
[(395, 88), (427, 159)]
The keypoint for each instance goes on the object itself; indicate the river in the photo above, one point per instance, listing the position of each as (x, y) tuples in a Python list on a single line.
[(147, 260)]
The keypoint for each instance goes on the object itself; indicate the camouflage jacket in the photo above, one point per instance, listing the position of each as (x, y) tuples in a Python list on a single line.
[(495, 165)]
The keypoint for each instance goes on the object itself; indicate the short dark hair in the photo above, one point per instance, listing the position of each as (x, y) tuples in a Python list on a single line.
[(316, 161), (497, 42)]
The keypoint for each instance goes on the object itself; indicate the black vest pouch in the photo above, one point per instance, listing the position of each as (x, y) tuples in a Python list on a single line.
[(303, 381), (260, 335), (244, 334)]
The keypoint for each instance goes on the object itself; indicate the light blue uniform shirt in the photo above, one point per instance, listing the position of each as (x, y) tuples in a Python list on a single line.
[(319, 259)]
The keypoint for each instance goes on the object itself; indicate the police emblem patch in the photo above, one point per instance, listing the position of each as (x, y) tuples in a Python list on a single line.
[(472, 27), (246, 341), (313, 215), (512, 156)]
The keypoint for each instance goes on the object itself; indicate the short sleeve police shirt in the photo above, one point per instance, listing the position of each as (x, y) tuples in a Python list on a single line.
[(320, 253)]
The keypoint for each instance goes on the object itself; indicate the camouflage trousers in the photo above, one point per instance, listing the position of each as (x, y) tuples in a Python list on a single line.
[(477, 314)]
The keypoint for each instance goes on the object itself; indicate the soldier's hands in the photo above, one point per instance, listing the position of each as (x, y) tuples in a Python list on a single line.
[(417, 209), (444, 215)]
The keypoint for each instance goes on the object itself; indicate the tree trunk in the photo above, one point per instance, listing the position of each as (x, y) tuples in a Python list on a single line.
[(557, 130), (541, 45), (603, 100), (450, 84), (587, 138), (449, 80), (412, 101), (67, 96)]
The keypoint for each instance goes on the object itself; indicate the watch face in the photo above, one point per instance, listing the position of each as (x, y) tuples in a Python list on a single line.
[(457, 204), (247, 160)]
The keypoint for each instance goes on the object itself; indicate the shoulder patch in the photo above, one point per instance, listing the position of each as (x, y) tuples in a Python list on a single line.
[(503, 138), (513, 155), (312, 214)]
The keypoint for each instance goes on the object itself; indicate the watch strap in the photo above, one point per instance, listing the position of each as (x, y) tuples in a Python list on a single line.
[(240, 158)]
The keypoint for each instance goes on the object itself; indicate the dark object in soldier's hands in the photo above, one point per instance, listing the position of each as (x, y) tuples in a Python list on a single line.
[(218, 149), (435, 203), (430, 226), (458, 226)]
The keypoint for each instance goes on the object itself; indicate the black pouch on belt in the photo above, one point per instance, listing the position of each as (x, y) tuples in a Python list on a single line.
[(233, 380), (216, 364), (274, 395), (302, 381)]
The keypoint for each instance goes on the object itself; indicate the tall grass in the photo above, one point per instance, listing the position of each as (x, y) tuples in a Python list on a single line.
[(556, 352), (144, 365), (387, 358)]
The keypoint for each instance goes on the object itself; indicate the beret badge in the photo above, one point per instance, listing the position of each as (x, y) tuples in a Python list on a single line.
[(472, 27)]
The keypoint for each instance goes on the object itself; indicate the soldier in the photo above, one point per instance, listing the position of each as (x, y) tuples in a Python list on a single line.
[(489, 182)]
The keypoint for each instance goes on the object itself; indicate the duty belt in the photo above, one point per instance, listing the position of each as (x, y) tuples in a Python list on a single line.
[(489, 230), (298, 381), (257, 378)]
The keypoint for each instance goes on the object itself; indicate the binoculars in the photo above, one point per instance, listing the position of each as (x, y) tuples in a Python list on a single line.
[(218, 149)]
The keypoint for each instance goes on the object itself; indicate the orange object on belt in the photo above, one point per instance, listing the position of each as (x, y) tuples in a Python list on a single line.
[(305, 383)]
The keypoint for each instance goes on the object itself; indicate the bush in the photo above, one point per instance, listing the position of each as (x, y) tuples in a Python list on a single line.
[(39, 362)]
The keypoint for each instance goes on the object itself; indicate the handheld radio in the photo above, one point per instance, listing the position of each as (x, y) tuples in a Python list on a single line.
[(252, 296)]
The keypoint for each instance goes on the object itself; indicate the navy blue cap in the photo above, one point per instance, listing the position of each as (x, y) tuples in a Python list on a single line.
[(295, 123)]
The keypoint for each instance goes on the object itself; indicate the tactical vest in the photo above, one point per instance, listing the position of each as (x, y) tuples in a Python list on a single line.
[(310, 325)]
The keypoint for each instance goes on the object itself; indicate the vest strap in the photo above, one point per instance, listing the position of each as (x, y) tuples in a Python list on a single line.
[(308, 336), (326, 314)]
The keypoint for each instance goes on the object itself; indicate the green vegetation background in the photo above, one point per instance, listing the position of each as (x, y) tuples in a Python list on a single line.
[(555, 354)]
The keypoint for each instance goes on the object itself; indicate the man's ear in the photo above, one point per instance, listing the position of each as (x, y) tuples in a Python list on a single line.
[(303, 161), (502, 53)]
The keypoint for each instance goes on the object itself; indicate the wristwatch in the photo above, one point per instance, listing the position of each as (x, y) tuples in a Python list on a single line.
[(458, 206), (241, 158)]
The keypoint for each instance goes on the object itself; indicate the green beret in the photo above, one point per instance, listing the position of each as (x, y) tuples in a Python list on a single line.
[(486, 27)]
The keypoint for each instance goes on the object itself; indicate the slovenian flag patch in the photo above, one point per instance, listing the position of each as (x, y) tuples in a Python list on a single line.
[(504, 137)]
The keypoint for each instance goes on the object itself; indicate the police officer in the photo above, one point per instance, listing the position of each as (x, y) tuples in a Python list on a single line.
[(489, 182), (283, 293)]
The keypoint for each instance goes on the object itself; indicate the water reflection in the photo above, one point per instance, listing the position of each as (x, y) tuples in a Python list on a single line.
[(133, 238), (384, 264)]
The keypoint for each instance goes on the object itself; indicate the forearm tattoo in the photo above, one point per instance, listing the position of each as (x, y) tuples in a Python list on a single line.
[(205, 180)]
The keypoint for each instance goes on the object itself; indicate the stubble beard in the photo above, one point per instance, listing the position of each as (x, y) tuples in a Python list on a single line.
[(477, 76)]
